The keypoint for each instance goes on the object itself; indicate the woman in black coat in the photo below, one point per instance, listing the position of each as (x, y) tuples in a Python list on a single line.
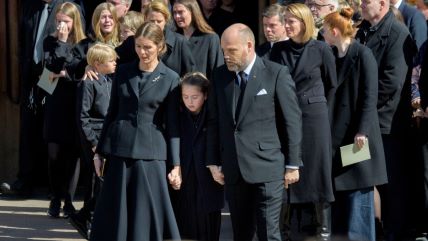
[(355, 120), (205, 43), (312, 67), (142, 121), (60, 130), (199, 202)]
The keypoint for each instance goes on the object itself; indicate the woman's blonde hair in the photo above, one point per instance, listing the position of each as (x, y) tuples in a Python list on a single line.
[(70, 10), (101, 53), (160, 7), (132, 20), (304, 14), (198, 20), (111, 38)]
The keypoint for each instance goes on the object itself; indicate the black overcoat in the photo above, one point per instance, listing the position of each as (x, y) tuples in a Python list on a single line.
[(355, 112), (315, 76)]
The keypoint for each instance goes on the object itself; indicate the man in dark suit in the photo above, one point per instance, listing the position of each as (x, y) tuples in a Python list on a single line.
[(393, 48), (36, 15), (254, 133), (414, 20), (273, 28)]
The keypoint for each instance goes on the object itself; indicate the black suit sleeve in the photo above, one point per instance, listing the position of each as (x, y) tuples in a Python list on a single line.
[(212, 154), (85, 99), (172, 122), (112, 109), (292, 117), (56, 53), (368, 95)]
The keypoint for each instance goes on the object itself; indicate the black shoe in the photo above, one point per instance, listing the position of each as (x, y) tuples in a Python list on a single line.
[(54, 208), (18, 189), (68, 209), (80, 223)]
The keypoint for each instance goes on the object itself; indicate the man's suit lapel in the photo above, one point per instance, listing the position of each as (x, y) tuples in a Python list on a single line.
[(251, 89)]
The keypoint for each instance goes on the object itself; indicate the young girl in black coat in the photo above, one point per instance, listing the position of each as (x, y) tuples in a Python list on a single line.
[(199, 202)]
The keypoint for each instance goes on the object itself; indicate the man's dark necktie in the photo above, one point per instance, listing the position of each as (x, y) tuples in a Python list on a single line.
[(242, 86), (38, 47)]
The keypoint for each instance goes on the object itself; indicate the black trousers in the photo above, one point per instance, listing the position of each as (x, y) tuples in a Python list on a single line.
[(62, 166), (32, 149), (255, 207)]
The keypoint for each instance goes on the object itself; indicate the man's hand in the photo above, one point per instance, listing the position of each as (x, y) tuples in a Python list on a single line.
[(174, 177), (217, 174), (291, 176)]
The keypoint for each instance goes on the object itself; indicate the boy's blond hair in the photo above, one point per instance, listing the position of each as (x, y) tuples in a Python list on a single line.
[(132, 20), (100, 53)]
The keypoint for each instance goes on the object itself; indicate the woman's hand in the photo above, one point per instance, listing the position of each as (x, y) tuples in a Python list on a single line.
[(90, 73), (62, 32), (360, 140), (174, 177)]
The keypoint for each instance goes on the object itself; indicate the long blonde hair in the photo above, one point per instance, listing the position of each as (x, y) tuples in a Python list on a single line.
[(70, 10), (111, 38)]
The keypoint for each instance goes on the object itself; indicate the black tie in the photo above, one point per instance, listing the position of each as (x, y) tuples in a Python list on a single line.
[(243, 83), (242, 86)]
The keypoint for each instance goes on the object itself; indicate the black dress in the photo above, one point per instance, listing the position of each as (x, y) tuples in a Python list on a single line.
[(134, 203), (199, 202)]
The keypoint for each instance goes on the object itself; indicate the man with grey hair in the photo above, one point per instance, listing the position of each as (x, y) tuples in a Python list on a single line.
[(320, 9), (122, 6), (273, 28), (393, 48)]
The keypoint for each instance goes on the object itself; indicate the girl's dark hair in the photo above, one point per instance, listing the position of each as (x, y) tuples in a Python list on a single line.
[(196, 79)]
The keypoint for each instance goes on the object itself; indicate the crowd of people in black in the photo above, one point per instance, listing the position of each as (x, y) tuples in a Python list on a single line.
[(164, 110)]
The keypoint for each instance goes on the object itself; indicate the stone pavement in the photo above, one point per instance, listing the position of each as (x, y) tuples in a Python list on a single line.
[(22, 220), (27, 220)]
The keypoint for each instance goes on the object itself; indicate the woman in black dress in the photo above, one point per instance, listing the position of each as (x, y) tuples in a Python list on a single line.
[(142, 121), (199, 202), (205, 43), (312, 66), (60, 129)]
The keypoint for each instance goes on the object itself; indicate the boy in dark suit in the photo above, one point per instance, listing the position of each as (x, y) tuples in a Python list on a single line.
[(93, 100)]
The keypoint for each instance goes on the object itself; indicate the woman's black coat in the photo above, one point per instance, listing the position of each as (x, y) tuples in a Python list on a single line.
[(355, 112)]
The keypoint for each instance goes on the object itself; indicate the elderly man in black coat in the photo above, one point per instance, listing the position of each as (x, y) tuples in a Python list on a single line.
[(393, 48)]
